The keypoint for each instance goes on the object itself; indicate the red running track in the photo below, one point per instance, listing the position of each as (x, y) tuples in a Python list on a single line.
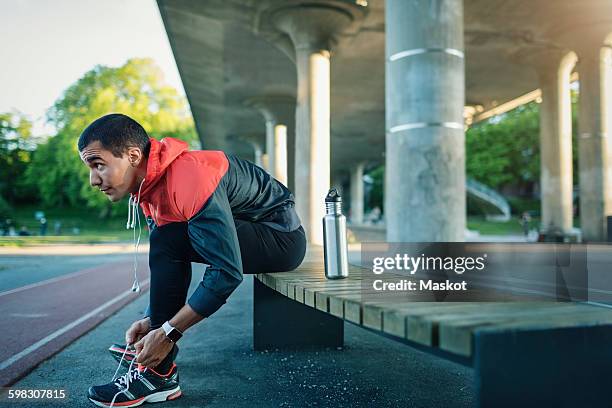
[(41, 319)]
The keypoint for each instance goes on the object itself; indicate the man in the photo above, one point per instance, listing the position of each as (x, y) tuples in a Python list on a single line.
[(201, 206)]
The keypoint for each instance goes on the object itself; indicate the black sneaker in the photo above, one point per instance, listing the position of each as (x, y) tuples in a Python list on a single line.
[(137, 386), (117, 351)]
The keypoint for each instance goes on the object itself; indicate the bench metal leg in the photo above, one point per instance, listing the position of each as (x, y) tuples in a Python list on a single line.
[(280, 322), (565, 367)]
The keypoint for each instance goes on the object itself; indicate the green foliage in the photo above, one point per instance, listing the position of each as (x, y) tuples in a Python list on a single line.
[(16, 145), (519, 205), (135, 89), (375, 198), (505, 150), (5, 210)]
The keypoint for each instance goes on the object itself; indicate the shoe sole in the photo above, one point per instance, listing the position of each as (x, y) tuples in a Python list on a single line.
[(157, 397)]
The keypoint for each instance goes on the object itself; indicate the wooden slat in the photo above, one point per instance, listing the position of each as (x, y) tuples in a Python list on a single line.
[(351, 305), (304, 290), (456, 332), (322, 297), (311, 290), (598, 317), (394, 317)]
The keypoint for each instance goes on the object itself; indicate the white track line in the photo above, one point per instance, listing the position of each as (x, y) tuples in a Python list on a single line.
[(52, 280), (6, 363)]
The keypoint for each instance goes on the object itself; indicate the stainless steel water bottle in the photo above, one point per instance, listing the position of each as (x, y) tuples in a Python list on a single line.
[(334, 237)]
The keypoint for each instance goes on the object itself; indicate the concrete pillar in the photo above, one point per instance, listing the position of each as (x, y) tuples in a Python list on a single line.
[(270, 150), (258, 152), (312, 28), (357, 193), (279, 114), (280, 154), (425, 141), (264, 161), (255, 141), (594, 71), (554, 70)]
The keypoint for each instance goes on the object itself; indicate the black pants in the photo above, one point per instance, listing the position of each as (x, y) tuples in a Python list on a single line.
[(263, 250)]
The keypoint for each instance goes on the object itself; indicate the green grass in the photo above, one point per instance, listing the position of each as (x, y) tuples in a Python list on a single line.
[(512, 227), (61, 239), (92, 229)]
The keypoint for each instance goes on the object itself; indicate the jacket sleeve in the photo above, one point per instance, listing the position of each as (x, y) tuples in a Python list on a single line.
[(213, 236)]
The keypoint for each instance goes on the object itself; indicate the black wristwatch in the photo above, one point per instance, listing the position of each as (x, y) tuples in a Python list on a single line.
[(172, 333)]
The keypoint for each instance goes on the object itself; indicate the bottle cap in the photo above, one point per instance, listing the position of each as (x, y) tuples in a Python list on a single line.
[(333, 196)]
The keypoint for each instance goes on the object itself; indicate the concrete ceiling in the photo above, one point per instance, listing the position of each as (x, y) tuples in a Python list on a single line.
[(223, 62)]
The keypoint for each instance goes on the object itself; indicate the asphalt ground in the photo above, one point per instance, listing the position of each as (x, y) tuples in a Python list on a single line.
[(218, 367), (48, 301)]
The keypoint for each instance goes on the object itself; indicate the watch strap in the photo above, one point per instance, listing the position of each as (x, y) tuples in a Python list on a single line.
[(172, 333)]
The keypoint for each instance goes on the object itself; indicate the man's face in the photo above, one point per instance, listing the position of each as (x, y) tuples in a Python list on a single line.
[(114, 176)]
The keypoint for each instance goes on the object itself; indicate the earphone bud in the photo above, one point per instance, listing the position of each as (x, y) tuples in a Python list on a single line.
[(136, 286)]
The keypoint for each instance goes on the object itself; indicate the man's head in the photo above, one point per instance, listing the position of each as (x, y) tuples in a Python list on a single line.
[(115, 148)]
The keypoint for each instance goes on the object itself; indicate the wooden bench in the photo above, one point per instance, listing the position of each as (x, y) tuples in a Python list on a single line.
[(523, 353)]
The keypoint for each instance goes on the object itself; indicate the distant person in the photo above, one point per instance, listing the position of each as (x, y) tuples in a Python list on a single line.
[(525, 223), (43, 226), (23, 232), (202, 206), (57, 228), (8, 226), (375, 215)]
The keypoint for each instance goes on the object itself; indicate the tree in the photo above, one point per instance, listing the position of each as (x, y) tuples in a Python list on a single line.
[(16, 146), (135, 89), (505, 151)]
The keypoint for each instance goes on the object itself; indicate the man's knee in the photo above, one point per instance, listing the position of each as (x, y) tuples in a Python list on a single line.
[(298, 250)]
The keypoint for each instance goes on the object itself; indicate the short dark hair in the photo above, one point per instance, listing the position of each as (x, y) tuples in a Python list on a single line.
[(116, 132)]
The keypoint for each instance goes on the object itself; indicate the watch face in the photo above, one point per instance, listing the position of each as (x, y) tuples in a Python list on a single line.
[(174, 335)]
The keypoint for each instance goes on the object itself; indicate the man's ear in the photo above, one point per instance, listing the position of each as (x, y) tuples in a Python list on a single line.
[(134, 156)]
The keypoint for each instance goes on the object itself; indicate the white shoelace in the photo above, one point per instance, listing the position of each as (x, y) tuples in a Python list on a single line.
[(123, 382)]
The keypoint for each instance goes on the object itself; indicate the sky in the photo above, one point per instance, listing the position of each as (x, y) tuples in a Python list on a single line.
[(48, 45)]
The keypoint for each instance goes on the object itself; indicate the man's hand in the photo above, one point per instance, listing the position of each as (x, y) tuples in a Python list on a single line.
[(137, 330), (153, 348)]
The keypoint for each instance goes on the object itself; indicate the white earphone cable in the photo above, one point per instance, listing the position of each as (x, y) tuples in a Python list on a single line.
[(136, 216), (127, 225)]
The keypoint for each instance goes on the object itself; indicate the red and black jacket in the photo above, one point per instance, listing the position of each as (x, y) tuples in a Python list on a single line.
[(208, 189)]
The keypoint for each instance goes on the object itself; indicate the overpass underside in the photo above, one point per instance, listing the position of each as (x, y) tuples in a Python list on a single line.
[(316, 89)]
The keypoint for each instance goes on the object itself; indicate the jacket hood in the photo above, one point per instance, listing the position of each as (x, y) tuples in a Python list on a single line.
[(161, 154)]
